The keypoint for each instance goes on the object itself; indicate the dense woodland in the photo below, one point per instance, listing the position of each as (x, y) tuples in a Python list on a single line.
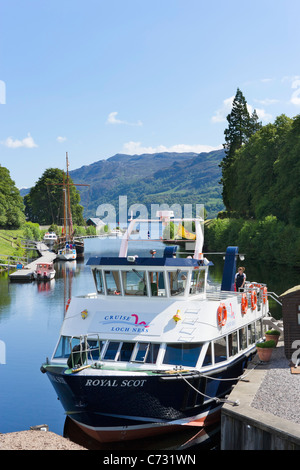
[(260, 177)]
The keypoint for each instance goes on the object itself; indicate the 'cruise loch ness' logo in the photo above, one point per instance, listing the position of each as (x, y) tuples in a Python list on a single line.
[(125, 323)]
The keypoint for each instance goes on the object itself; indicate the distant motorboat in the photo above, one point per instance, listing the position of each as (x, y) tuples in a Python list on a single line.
[(50, 238)]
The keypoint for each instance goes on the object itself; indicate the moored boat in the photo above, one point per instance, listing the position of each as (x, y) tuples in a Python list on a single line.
[(156, 347), (44, 272), (66, 252)]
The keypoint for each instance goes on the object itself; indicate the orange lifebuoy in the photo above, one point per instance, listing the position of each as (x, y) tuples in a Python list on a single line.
[(244, 304), (253, 299), (265, 295), (222, 314)]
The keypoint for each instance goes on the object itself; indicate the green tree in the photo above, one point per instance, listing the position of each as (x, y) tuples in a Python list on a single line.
[(240, 128), (11, 203), (45, 202)]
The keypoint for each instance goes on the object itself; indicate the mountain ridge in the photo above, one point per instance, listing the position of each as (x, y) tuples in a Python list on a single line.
[(163, 177)]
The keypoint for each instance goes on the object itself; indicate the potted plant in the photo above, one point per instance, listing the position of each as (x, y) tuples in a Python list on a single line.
[(272, 334), (265, 349)]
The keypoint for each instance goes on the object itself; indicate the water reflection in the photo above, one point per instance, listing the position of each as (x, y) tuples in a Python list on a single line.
[(188, 438)]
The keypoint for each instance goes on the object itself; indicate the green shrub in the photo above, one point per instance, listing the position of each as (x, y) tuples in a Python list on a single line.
[(266, 344)]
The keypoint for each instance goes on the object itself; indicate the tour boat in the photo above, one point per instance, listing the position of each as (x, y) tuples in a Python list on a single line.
[(156, 346), (44, 272)]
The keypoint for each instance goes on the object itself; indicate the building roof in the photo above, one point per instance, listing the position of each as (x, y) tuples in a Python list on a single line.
[(96, 221), (292, 290)]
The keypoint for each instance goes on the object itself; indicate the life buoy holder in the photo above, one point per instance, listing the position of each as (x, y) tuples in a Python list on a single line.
[(253, 299), (265, 295), (244, 304), (222, 315)]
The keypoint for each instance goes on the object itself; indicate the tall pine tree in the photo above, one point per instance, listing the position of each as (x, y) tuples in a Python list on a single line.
[(240, 128)]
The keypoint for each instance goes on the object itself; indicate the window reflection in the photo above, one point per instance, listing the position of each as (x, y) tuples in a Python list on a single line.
[(197, 281), (182, 354), (98, 281), (220, 349), (112, 281), (134, 282), (178, 282), (157, 284)]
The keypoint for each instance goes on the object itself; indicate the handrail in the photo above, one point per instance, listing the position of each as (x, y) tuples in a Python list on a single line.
[(274, 297)]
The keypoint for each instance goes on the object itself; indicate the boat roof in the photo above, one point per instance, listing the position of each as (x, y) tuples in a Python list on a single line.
[(144, 261)]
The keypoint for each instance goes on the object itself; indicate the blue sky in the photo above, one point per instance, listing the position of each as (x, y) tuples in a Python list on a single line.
[(98, 77)]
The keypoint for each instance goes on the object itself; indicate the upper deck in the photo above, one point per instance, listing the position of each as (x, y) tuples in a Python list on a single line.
[(163, 277)]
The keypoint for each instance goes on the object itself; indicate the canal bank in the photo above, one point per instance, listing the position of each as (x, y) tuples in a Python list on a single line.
[(268, 414)]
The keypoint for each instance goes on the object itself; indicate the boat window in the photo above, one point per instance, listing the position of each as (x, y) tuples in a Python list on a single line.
[(98, 281), (157, 284), (232, 344), (142, 350), (208, 356), (243, 338), (220, 349), (197, 281), (126, 351), (178, 282), (152, 354), (183, 354), (259, 332), (65, 346), (94, 348), (112, 350), (146, 352), (134, 282), (112, 281), (251, 334)]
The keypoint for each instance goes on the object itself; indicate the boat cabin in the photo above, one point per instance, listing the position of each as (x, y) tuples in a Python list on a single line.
[(149, 277)]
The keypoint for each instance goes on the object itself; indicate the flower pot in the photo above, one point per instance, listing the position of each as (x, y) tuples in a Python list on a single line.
[(264, 350), (264, 354), (274, 337)]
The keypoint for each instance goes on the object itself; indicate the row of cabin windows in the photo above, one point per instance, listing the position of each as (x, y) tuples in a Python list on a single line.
[(177, 354), (148, 283)]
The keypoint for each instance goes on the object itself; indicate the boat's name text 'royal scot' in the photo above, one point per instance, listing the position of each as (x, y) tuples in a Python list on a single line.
[(114, 383)]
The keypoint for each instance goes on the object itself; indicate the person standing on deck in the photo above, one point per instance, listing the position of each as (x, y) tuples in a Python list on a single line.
[(240, 279)]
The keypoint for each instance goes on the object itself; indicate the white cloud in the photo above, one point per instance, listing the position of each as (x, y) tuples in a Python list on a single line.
[(112, 119), (267, 101), (135, 148), (27, 142), (295, 98), (221, 114), (61, 139)]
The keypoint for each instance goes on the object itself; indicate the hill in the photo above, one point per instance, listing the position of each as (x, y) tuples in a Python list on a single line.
[(171, 178)]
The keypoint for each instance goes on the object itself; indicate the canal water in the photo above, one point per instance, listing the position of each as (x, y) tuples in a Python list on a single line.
[(31, 315)]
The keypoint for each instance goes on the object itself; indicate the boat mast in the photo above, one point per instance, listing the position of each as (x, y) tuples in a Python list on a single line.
[(70, 220)]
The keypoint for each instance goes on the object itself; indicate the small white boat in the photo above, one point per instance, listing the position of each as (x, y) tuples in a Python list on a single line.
[(44, 272), (67, 252), (50, 237)]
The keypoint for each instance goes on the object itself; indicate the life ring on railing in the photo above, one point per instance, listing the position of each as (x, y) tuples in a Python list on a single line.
[(265, 295), (244, 304), (222, 315), (253, 299), (67, 305)]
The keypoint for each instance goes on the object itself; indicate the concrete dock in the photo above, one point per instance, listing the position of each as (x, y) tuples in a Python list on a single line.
[(268, 414), (25, 274)]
